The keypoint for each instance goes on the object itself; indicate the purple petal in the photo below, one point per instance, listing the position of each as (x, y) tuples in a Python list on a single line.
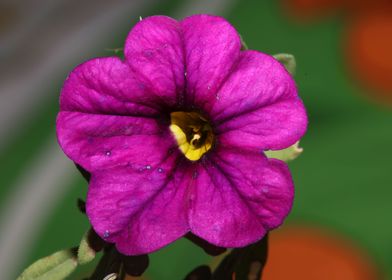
[(104, 141), (153, 49), (139, 210), (212, 47), (238, 197), (258, 105), (106, 86)]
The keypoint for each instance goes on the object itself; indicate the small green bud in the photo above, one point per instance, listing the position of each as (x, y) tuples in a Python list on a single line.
[(287, 154), (90, 244), (288, 60), (85, 253)]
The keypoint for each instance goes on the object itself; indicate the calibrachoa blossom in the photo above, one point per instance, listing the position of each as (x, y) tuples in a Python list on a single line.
[(174, 134)]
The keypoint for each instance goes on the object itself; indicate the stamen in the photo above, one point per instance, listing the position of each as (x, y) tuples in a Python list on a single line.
[(196, 138), (193, 134)]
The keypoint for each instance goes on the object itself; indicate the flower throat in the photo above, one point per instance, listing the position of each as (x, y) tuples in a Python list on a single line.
[(193, 134)]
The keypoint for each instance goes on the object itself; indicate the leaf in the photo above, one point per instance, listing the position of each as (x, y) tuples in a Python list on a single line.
[(288, 60), (54, 267), (90, 244), (244, 263), (287, 154)]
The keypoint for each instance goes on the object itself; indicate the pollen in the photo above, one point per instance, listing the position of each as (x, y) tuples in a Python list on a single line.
[(193, 134)]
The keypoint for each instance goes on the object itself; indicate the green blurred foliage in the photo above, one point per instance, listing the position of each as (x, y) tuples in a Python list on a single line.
[(343, 178)]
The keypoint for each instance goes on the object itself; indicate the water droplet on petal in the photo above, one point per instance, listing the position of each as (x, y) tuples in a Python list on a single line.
[(108, 153), (148, 167), (185, 74), (160, 170), (106, 234)]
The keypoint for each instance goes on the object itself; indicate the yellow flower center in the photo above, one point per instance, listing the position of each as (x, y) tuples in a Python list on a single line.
[(193, 134)]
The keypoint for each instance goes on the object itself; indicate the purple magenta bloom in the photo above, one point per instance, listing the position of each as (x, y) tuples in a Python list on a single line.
[(116, 119)]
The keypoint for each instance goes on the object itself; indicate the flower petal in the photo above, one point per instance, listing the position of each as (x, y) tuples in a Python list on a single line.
[(106, 86), (140, 211), (154, 51), (212, 47), (238, 197), (104, 141), (258, 106)]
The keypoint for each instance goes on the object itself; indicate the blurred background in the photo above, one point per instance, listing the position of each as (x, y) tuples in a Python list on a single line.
[(341, 225)]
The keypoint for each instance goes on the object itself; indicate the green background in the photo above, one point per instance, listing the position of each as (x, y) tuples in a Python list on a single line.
[(343, 178)]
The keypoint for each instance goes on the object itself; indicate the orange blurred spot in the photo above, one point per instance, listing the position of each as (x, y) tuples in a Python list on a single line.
[(368, 51), (356, 6), (300, 253), (311, 9)]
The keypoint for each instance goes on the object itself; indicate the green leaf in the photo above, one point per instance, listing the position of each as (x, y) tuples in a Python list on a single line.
[(90, 244), (287, 154), (85, 253), (54, 267), (288, 60)]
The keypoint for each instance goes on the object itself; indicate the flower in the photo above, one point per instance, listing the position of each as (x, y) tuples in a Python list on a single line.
[(174, 134)]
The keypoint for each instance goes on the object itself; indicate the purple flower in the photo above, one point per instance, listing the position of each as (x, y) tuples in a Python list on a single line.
[(174, 134)]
